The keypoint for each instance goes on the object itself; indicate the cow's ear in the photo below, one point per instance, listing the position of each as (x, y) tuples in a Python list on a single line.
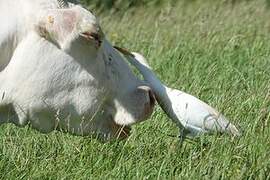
[(57, 25), (41, 29)]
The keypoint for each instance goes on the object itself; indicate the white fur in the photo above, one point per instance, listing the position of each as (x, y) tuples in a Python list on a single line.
[(77, 87)]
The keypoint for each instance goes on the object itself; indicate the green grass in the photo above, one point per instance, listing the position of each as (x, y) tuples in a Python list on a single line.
[(217, 51)]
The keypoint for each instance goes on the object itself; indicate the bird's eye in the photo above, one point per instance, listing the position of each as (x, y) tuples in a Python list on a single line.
[(110, 58)]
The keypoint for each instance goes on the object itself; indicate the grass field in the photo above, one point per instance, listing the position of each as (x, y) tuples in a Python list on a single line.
[(217, 51)]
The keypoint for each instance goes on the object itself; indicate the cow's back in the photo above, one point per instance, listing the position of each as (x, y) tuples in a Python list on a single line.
[(8, 28)]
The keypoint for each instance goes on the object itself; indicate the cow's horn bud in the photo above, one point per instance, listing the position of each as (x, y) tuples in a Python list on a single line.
[(62, 3)]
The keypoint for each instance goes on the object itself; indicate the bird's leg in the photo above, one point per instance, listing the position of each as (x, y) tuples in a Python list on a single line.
[(182, 135)]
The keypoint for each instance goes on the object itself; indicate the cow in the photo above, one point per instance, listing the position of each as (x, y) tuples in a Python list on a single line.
[(59, 72)]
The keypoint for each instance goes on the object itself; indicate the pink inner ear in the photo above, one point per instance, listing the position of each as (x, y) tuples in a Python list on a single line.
[(61, 23), (69, 20)]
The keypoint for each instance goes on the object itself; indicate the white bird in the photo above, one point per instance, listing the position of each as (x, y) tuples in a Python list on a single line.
[(192, 116)]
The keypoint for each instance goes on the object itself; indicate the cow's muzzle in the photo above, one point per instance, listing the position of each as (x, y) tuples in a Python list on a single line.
[(150, 102)]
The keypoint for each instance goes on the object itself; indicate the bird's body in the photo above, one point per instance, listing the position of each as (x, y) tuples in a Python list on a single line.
[(187, 111)]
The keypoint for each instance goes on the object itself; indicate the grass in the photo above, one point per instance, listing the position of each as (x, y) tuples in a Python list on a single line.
[(217, 51)]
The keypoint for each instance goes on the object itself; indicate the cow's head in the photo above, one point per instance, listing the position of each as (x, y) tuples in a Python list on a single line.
[(117, 98)]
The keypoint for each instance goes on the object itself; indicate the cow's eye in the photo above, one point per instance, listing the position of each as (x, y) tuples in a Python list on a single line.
[(92, 36)]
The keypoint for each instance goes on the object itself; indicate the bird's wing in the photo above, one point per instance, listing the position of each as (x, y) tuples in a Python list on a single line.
[(197, 116)]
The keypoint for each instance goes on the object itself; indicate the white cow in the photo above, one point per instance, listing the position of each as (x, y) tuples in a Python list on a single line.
[(58, 71)]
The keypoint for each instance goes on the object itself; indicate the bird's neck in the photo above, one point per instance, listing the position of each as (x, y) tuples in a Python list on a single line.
[(150, 78), (154, 82)]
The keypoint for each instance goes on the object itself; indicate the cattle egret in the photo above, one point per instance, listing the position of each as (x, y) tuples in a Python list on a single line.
[(193, 116)]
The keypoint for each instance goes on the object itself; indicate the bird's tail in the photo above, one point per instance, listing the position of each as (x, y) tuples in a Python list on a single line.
[(220, 123)]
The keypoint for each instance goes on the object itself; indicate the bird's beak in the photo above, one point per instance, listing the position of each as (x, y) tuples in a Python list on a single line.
[(124, 51)]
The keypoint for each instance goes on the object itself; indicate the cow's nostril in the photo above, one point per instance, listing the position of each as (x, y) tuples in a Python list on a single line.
[(152, 97), (150, 94)]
